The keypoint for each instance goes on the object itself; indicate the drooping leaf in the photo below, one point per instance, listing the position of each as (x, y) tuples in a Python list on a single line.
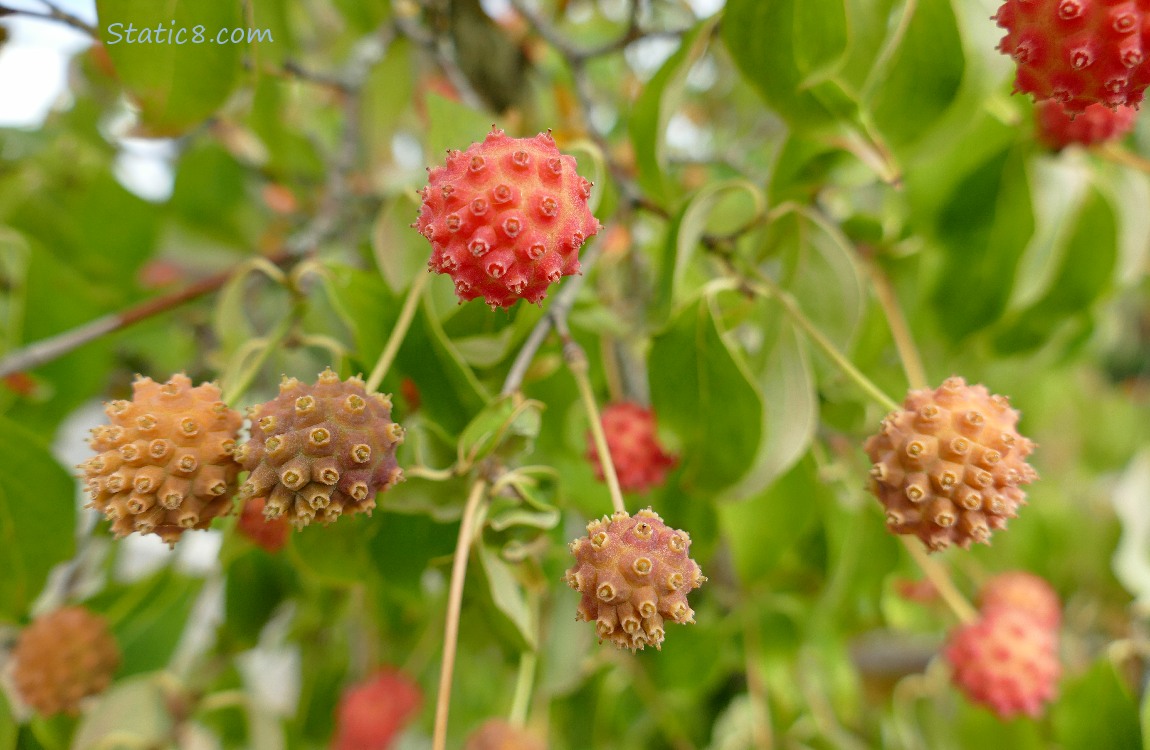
[(179, 60)]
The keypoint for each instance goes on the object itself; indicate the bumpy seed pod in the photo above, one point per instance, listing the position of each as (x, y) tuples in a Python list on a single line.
[(948, 466), (506, 218), (165, 464), (1024, 592), (321, 451), (1006, 661), (640, 461), (62, 658), (634, 574), (496, 734)]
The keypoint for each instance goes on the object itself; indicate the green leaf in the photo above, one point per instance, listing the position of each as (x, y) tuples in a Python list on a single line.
[(148, 618), (705, 395), (391, 80), (790, 414), (337, 553), (984, 229), (452, 126), (1097, 710), (1084, 273), (407, 542), (657, 102), (762, 529), (175, 85), (37, 517), (257, 584), (508, 597), (683, 238), (136, 707), (505, 418), (767, 40), (400, 252), (8, 728), (922, 78)]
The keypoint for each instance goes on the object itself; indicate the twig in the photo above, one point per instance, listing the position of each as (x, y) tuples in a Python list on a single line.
[(54, 14), (938, 576), (572, 53), (771, 289), (560, 305), (48, 349), (454, 604), (576, 360), (903, 340), (395, 340), (523, 684)]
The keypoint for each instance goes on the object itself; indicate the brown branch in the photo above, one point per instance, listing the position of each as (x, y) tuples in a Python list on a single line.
[(54, 14), (51, 348)]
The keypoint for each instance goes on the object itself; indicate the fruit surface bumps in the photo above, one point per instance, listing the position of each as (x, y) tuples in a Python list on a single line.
[(634, 573), (165, 464), (1006, 661), (62, 658), (496, 734), (506, 218), (269, 533), (948, 465), (320, 451), (1078, 52), (1024, 592), (371, 713), (1096, 124), (640, 461)]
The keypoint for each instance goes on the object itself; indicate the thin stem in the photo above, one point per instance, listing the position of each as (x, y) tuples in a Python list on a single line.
[(1115, 153), (908, 353), (454, 603), (395, 340), (576, 360), (51, 348), (223, 699), (938, 576), (771, 289), (233, 391), (558, 310), (524, 684)]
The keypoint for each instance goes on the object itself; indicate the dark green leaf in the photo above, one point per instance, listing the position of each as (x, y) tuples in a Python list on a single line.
[(1097, 710), (704, 394), (37, 517)]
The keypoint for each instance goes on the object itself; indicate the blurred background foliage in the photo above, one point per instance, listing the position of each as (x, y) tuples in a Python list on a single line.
[(834, 145)]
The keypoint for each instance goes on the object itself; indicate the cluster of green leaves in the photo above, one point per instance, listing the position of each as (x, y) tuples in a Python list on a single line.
[(827, 142)]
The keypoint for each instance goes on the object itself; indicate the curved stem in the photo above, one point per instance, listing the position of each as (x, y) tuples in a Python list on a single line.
[(908, 353), (235, 389), (940, 578), (523, 687), (395, 340), (771, 289), (454, 604), (576, 360)]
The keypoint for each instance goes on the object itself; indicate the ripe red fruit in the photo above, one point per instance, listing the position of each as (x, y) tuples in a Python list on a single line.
[(1024, 592), (371, 713), (640, 461), (269, 533), (633, 571), (1078, 52), (506, 218), (948, 465), (62, 658), (1096, 124), (1006, 661)]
